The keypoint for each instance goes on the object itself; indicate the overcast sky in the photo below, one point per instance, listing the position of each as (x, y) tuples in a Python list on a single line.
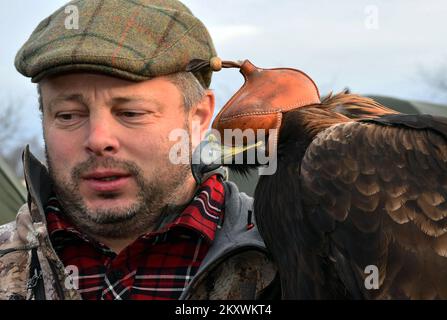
[(372, 47)]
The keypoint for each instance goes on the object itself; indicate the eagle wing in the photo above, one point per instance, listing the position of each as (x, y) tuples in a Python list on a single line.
[(374, 199)]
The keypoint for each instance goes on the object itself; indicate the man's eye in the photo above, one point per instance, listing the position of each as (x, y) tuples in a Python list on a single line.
[(130, 114), (65, 116)]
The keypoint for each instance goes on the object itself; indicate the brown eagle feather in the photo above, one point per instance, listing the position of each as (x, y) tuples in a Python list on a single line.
[(348, 195)]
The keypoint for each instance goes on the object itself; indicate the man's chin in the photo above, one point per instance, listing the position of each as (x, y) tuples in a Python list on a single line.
[(109, 202), (115, 215), (120, 208)]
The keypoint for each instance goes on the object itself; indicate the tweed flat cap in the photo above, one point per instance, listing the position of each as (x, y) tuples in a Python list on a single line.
[(130, 39)]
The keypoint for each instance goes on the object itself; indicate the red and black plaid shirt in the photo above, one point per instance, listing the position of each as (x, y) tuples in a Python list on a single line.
[(158, 265)]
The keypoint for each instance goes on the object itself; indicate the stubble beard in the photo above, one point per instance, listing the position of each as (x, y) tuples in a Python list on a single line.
[(154, 198)]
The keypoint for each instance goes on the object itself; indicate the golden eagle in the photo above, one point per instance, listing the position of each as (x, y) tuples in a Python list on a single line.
[(358, 187)]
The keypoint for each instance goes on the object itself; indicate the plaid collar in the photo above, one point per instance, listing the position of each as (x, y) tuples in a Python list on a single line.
[(204, 214)]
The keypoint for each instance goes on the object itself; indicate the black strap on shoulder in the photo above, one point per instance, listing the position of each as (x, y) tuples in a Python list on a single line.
[(35, 281)]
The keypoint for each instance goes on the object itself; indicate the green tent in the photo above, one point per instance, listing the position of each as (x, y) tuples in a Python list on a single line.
[(411, 107), (12, 193)]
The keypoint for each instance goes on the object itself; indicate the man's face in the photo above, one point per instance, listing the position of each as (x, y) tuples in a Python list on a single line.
[(107, 149)]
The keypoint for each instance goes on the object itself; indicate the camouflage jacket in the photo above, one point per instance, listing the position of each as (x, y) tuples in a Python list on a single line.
[(236, 266)]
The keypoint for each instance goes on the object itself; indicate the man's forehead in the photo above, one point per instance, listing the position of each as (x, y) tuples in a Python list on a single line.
[(67, 85), (85, 89), (83, 96), (86, 99), (82, 79)]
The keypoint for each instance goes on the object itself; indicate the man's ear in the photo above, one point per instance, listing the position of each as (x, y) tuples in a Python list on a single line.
[(202, 113)]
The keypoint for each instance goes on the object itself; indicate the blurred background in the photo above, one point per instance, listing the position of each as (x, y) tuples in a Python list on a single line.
[(392, 50)]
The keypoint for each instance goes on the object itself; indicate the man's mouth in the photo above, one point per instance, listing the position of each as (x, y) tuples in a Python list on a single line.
[(107, 181), (108, 178)]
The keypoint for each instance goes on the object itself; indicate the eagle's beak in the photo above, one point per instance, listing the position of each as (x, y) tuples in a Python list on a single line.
[(210, 155)]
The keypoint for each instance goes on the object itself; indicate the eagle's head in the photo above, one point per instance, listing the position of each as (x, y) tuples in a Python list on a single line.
[(259, 105), (251, 119), (272, 110)]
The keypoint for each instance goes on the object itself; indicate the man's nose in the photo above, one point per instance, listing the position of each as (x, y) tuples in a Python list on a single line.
[(101, 139)]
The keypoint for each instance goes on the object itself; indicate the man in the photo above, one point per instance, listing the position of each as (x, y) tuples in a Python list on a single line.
[(113, 217)]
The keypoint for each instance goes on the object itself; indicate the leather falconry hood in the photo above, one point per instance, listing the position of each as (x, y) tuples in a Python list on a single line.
[(266, 93), (258, 104), (264, 96)]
